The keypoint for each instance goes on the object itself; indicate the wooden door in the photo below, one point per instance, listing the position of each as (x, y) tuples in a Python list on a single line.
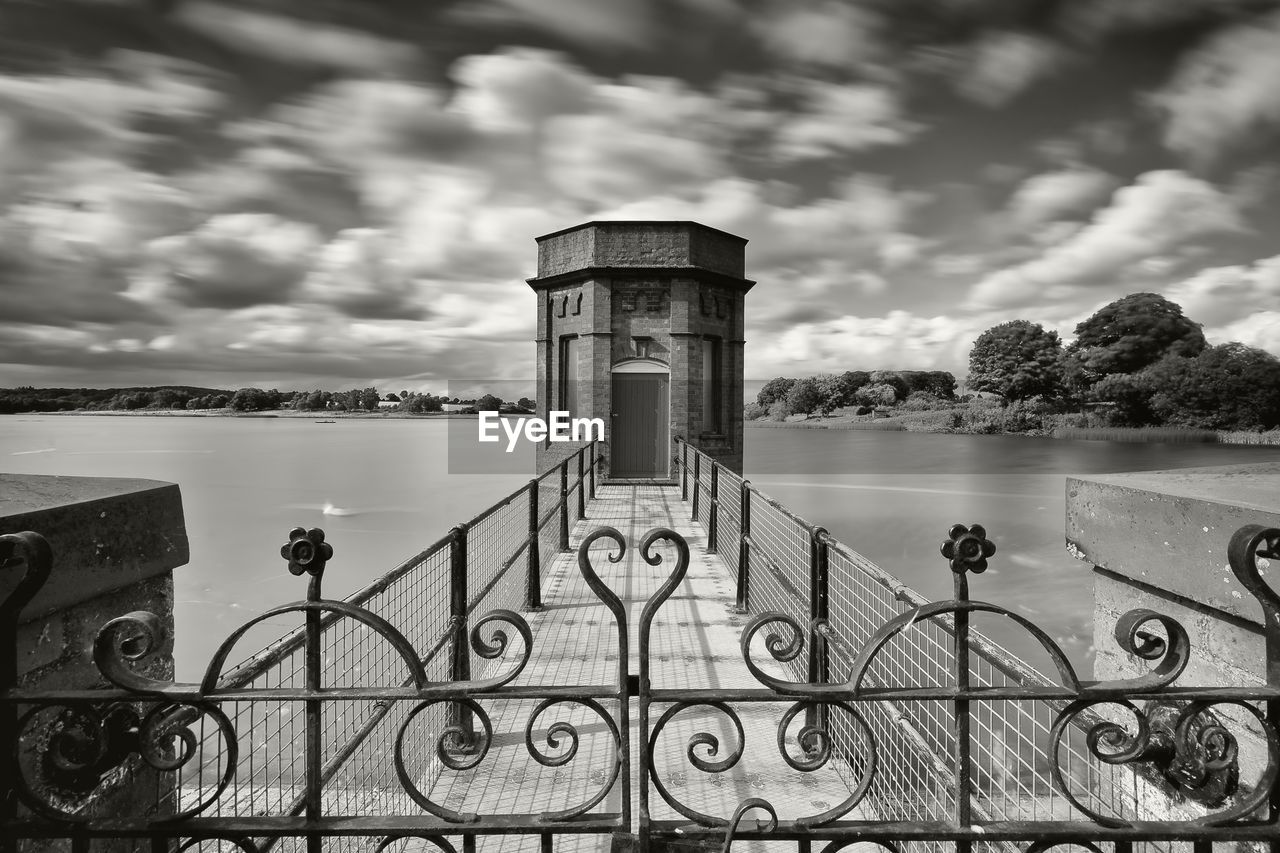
[(638, 445)]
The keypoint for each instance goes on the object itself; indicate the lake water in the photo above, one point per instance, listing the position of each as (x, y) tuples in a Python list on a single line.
[(382, 491)]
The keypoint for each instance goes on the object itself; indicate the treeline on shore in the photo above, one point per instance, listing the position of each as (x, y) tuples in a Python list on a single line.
[(1137, 362), (188, 398)]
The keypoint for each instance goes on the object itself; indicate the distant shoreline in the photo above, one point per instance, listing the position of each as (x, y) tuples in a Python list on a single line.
[(292, 414), (1270, 438)]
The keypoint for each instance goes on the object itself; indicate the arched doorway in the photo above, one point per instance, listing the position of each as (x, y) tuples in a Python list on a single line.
[(640, 419)]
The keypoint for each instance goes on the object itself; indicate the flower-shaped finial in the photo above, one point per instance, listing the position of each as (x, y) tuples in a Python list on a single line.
[(968, 549), (306, 551)]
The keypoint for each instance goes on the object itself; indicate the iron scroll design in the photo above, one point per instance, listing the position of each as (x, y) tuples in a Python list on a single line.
[(1186, 735), (66, 748), (62, 745)]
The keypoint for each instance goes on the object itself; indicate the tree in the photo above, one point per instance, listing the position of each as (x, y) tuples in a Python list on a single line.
[(939, 383), (1229, 386), (877, 394), (839, 391), (489, 403), (168, 398), (892, 378), (774, 390), (312, 401), (1128, 398), (1017, 360), (828, 392), (253, 400), (526, 404), (1128, 335), (392, 397), (803, 397)]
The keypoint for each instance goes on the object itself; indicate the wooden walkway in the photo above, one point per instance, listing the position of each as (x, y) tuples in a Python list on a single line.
[(695, 644)]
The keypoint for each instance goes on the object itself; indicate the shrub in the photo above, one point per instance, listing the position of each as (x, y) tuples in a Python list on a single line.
[(1027, 415), (754, 411), (778, 410), (923, 401), (930, 421)]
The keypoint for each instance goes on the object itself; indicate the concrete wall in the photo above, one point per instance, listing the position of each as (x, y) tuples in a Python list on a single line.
[(1158, 540), (115, 545)]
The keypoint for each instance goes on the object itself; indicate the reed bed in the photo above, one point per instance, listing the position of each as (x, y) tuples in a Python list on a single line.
[(1169, 435), (882, 426), (1247, 436)]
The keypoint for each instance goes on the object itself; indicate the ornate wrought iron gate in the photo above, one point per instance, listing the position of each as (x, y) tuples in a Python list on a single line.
[(151, 763)]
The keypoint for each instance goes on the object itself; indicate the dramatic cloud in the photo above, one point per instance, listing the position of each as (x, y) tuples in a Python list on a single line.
[(1003, 63), (1158, 211), (588, 23), (898, 340), (648, 135), (293, 40), (1053, 195), (519, 89), (50, 122), (838, 119), (370, 127), (296, 194), (360, 273), (1260, 329), (236, 260), (824, 34), (1224, 93), (1219, 296)]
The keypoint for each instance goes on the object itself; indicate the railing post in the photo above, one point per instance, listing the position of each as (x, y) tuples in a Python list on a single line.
[(713, 523), (819, 662), (744, 545), (533, 590), (684, 470), (459, 655), (582, 487), (564, 504), (592, 478), (697, 475)]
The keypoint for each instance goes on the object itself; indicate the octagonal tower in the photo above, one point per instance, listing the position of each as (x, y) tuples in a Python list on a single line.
[(641, 324)]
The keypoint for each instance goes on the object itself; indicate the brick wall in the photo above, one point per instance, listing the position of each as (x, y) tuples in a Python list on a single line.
[(673, 313)]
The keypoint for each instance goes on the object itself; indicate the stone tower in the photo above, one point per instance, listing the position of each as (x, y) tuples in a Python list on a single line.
[(640, 324)]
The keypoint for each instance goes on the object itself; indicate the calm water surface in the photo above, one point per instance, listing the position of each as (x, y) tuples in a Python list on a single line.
[(381, 491)]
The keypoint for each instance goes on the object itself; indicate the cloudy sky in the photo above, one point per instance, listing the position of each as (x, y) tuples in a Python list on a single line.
[(345, 192)]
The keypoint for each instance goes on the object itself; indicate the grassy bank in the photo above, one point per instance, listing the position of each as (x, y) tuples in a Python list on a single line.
[(1169, 435), (984, 417)]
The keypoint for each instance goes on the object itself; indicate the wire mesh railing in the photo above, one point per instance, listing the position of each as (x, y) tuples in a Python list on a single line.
[(784, 564), (494, 561)]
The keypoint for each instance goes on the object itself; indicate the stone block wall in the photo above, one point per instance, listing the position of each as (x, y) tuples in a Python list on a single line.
[(629, 290), (1158, 540), (641, 244), (115, 544)]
